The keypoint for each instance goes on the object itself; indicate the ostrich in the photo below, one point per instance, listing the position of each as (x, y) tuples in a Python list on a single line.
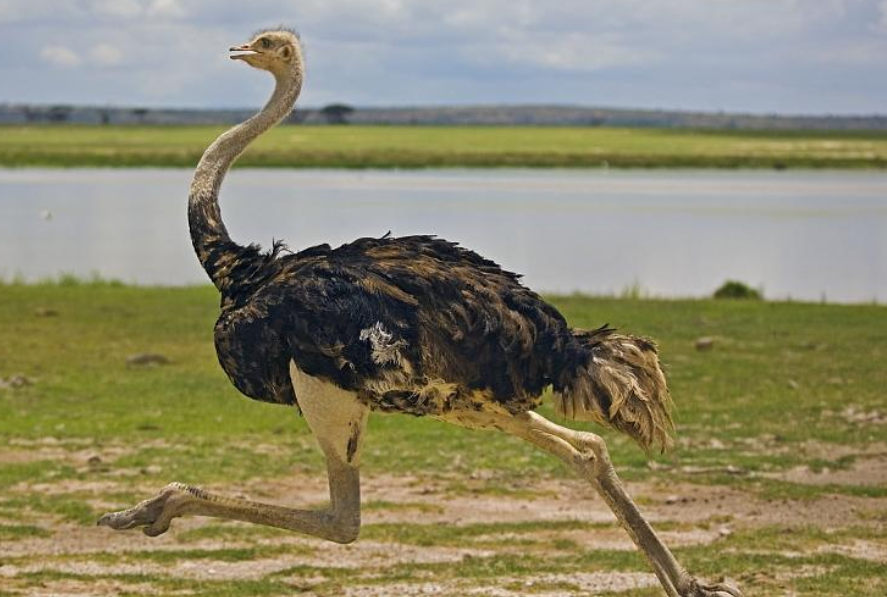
[(413, 325)]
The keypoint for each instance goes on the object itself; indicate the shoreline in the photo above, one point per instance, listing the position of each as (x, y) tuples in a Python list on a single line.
[(436, 147)]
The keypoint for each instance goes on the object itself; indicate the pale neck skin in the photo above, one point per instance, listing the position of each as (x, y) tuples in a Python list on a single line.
[(211, 241)]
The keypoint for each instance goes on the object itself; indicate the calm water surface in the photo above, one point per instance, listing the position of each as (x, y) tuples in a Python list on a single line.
[(807, 235)]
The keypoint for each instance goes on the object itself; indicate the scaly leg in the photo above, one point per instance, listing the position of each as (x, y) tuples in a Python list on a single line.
[(338, 421), (340, 522), (587, 454)]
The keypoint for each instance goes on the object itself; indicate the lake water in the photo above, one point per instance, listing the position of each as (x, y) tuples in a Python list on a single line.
[(803, 235)]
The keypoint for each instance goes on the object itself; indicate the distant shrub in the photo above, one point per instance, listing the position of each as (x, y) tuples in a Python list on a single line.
[(731, 289), (70, 279), (336, 113), (633, 292), (63, 279)]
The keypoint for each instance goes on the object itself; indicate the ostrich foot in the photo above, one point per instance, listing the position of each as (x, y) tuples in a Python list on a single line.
[(340, 522), (153, 514), (721, 589), (593, 462)]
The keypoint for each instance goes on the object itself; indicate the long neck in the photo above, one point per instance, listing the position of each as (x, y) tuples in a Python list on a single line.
[(218, 254)]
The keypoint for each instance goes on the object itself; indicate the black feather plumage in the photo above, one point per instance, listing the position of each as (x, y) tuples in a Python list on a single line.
[(457, 317)]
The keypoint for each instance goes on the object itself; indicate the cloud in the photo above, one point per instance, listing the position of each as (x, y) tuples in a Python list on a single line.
[(106, 55), (60, 56), (16, 11), (64, 57), (165, 9), (754, 55), (571, 52), (125, 9)]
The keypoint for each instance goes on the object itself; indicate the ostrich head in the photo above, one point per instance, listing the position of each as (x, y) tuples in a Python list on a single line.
[(274, 50)]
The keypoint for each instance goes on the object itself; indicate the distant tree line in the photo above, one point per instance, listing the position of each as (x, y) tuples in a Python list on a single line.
[(342, 114)]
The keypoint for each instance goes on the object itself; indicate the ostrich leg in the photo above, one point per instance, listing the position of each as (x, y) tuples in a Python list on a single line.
[(340, 522), (337, 420), (586, 453)]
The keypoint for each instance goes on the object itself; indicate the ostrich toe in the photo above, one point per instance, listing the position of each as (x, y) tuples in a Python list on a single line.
[(153, 514), (721, 589)]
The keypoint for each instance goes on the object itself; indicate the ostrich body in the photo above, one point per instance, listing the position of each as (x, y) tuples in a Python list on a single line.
[(413, 325)]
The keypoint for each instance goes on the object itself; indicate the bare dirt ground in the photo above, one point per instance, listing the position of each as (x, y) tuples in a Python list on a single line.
[(77, 559)]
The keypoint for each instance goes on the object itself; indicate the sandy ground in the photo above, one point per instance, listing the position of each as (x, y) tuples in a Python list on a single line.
[(691, 514)]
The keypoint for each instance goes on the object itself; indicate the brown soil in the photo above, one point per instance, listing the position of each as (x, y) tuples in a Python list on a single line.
[(695, 515), (868, 472), (592, 583)]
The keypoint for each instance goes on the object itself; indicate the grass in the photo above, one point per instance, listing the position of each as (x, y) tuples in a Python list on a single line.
[(425, 146), (768, 361), (737, 392), (17, 531), (771, 395)]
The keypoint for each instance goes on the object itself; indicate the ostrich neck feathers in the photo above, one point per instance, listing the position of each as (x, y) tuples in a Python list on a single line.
[(226, 262)]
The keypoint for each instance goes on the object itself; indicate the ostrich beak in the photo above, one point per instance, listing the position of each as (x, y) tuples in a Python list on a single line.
[(243, 48)]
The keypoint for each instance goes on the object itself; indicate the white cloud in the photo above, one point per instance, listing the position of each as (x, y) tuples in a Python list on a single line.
[(12, 11), (171, 9), (60, 56), (124, 9), (570, 52), (15, 11), (106, 55), (668, 53)]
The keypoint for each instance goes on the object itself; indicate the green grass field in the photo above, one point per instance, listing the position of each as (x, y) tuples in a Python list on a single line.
[(779, 478), (422, 146)]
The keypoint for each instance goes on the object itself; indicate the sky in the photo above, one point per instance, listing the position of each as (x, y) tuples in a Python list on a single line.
[(757, 56)]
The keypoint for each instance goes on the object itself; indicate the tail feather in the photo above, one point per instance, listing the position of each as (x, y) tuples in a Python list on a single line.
[(621, 385)]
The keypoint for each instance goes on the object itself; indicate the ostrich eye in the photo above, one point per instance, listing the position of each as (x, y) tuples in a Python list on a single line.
[(266, 43)]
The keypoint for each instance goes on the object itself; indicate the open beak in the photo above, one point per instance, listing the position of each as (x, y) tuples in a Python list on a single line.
[(245, 48)]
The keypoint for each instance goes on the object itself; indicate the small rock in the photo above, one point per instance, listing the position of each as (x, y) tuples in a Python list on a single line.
[(725, 531), (672, 499), (97, 465), (45, 312), (144, 359), (793, 384), (705, 343), (15, 382), (19, 381)]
